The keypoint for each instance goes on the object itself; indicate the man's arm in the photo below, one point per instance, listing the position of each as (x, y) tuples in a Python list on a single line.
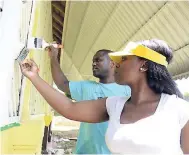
[(58, 76)]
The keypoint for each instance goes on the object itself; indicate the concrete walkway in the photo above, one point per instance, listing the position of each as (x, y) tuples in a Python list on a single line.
[(64, 136)]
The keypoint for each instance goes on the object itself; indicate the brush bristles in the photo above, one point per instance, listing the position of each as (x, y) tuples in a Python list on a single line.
[(23, 54)]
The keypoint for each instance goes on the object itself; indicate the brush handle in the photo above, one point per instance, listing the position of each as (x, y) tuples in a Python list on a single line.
[(57, 45)]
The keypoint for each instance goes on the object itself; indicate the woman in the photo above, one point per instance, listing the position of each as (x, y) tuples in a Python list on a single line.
[(153, 120)]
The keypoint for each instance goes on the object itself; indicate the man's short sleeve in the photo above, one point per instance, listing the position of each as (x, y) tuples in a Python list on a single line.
[(128, 91), (76, 89)]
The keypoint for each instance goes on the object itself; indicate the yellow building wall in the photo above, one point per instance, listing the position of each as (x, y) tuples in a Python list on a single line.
[(26, 138)]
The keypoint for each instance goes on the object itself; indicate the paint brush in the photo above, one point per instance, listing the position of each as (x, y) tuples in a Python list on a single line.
[(35, 44)]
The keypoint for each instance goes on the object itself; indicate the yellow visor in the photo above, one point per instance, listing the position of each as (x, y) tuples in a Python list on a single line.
[(141, 51)]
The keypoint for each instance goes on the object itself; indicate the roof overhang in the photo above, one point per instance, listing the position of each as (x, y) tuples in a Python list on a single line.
[(93, 25)]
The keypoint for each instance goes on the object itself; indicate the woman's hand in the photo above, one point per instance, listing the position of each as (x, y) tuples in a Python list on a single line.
[(29, 68)]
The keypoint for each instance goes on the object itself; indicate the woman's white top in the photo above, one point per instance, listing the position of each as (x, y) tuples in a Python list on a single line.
[(156, 134)]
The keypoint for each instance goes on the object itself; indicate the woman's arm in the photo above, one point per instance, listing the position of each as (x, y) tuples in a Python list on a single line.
[(85, 111), (185, 138)]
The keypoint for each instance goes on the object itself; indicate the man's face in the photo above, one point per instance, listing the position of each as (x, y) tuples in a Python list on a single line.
[(101, 64)]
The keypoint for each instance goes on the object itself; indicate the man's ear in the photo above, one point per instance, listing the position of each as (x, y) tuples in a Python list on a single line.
[(112, 64)]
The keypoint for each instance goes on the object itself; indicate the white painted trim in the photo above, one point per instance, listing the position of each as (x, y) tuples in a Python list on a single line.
[(9, 45), (1, 6)]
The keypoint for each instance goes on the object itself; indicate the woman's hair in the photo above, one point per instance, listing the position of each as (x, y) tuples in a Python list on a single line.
[(158, 77)]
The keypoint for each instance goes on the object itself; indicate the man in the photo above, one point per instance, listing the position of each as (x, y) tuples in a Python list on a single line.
[(91, 139)]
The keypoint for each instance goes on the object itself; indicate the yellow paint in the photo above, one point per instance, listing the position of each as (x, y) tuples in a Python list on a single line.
[(25, 115), (36, 20), (25, 139), (47, 119)]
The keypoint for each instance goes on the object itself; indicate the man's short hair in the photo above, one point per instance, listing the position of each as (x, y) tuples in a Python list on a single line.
[(104, 51)]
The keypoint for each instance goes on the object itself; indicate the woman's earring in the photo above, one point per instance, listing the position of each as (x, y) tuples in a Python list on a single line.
[(142, 69)]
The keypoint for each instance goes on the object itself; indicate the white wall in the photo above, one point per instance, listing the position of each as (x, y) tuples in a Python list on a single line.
[(11, 35)]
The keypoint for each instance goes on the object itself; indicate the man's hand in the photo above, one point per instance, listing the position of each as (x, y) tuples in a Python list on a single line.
[(29, 68), (52, 51)]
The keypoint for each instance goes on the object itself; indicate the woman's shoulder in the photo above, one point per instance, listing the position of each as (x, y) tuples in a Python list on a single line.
[(180, 106), (116, 99), (115, 103), (176, 101)]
